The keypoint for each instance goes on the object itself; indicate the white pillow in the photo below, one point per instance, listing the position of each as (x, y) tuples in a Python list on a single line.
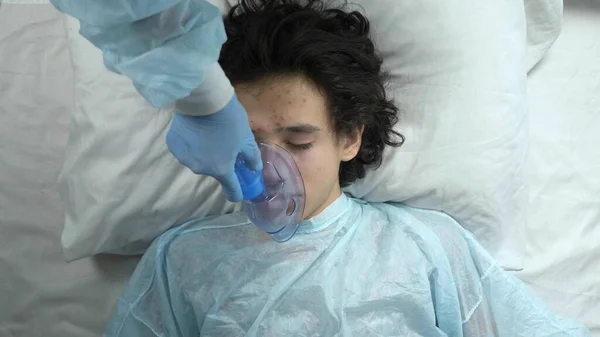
[(544, 24), (458, 76), (120, 185)]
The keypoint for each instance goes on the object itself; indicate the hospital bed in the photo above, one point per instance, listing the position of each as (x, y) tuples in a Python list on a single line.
[(42, 295)]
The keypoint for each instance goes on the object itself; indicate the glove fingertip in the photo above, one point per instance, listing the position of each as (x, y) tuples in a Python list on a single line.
[(257, 166), (231, 187), (253, 158), (234, 196)]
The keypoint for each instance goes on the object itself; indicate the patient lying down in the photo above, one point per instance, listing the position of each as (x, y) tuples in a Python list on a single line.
[(311, 82)]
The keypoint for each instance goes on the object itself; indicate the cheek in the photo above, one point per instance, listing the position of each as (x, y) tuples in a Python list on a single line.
[(319, 168), (308, 163)]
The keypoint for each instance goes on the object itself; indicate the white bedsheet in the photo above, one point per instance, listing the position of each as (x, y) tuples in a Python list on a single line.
[(40, 295), (563, 239)]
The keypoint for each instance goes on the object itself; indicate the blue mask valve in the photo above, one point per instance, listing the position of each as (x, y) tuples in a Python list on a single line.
[(274, 199), (252, 182)]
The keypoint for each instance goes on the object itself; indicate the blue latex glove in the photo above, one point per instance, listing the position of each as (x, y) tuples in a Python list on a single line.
[(210, 144)]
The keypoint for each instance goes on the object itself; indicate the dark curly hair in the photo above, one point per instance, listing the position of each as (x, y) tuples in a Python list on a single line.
[(329, 46)]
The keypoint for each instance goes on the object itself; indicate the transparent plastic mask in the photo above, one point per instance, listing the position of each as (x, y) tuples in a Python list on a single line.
[(274, 199)]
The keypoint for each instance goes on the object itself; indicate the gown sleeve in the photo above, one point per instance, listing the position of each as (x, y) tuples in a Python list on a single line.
[(168, 48)]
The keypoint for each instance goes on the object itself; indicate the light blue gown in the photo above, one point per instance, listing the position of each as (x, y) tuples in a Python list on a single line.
[(356, 269), (168, 48)]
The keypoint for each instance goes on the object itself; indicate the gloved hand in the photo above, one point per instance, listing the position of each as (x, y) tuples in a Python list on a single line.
[(209, 145)]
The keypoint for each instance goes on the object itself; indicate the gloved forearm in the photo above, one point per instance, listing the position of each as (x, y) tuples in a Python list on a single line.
[(166, 47)]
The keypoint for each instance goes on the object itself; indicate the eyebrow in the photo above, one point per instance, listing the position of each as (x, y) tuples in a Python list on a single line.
[(300, 128)]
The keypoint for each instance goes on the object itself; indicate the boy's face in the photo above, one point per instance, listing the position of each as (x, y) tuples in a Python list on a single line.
[(292, 113)]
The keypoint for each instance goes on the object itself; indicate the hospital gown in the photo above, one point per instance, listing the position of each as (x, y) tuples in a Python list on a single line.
[(356, 269)]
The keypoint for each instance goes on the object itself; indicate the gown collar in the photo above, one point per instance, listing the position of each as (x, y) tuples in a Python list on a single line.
[(329, 215)]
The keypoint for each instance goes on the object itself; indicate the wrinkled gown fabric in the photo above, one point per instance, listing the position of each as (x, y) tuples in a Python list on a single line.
[(168, 48), (356, 269)]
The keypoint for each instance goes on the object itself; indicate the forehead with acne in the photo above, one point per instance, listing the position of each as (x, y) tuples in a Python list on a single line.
[(279, 102)]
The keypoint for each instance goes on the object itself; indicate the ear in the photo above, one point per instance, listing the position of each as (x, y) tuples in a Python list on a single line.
[(351, 143)]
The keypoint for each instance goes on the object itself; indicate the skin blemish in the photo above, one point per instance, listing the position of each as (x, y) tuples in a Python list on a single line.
[(276, 117)]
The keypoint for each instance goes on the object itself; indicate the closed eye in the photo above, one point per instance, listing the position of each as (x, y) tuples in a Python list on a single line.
[(305, 146)]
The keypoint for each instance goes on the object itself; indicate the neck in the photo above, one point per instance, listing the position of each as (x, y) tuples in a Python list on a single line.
[(334, 194)]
